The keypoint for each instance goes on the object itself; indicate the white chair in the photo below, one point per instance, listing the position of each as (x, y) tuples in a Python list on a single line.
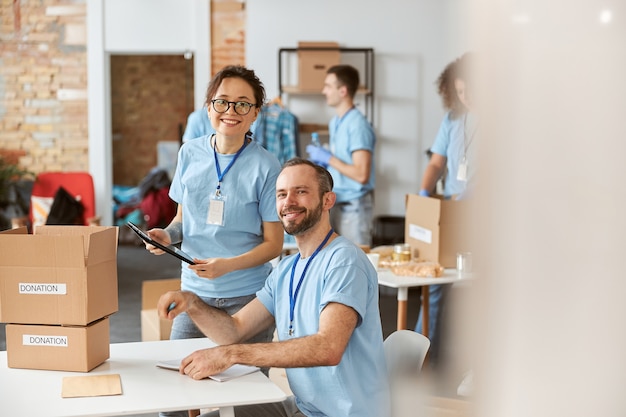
[(405, 351)]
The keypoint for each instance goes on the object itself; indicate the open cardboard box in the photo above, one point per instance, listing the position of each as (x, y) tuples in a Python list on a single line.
[(61, 275), (436, 229), (153, 327), (58, 348)]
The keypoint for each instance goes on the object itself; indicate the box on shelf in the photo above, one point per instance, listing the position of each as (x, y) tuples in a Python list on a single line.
[(61, 275), (435, 230), (58, 348), (153, 327), (313, 64)]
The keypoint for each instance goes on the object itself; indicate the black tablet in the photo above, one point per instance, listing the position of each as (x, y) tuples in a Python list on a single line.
[(172, 250)]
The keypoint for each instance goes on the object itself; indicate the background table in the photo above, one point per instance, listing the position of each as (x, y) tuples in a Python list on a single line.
[(145, 388), (403, 283)]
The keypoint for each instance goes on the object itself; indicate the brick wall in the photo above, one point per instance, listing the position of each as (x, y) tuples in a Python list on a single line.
[(43, 83), (43, 79), (228, 21)]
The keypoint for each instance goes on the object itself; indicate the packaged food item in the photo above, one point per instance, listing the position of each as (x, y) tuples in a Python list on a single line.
[(418, 269), (401, 253)]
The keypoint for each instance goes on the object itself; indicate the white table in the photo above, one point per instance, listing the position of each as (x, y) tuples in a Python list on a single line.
[(403, 283), (145, 388)]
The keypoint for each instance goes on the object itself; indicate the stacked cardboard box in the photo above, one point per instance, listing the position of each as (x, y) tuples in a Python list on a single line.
[(57, 288), (152, 326)]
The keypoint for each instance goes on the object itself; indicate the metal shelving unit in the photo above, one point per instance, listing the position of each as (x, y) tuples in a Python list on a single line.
[(366, 74)]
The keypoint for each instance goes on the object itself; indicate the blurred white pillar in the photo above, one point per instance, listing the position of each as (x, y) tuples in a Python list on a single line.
[(547, 337)]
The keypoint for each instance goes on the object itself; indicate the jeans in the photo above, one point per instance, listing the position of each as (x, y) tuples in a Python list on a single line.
[(436, 298), (353, 219), (184, 328)]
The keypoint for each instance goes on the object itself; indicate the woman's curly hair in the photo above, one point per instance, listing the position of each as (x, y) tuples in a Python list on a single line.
[(445, 85)]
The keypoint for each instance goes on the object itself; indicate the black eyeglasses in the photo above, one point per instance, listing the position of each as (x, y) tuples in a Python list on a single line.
[(241, 107)]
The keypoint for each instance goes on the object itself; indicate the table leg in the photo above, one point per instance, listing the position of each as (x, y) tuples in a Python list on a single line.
[(425, 309), (403, 296), (227, 412)]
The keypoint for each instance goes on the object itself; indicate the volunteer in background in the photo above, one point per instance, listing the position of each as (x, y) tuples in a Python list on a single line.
[(225, 187), (198, 124), (452, 159), (350, 159)]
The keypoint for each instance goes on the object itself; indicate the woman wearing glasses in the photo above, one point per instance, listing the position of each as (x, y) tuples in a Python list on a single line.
[(224, 185)]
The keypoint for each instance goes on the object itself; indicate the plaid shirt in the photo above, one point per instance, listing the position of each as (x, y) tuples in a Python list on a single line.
[(277, 131)]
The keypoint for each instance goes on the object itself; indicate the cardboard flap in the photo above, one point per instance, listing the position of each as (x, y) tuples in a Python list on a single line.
[(91, 386), (99, 247), (422, 226), (18, 231)]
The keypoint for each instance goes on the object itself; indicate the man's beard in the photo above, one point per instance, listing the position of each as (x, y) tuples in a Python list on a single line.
[(310, 220)]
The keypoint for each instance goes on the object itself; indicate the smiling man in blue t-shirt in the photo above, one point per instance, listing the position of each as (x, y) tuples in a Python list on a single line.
[(324, 303)]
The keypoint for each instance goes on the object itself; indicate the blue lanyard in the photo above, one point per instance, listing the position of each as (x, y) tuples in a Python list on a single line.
[(220, 174), (293, 296)]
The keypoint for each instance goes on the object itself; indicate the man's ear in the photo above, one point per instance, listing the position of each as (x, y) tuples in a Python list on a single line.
[(343, 90), (329, 200)]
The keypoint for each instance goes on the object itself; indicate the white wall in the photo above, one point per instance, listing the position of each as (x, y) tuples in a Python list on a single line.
[(140, 26), (162, 27), (412, 41)]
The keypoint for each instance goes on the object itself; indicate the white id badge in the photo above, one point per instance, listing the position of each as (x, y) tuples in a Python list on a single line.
[(461, 174), (216, 210)]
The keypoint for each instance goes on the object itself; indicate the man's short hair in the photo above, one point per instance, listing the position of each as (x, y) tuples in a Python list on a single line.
[(346, 75), (324, 179)]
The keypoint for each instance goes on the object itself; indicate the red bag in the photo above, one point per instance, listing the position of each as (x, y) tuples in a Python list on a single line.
[(158, 208)]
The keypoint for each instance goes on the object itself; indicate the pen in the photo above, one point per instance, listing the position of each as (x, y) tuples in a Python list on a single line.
[(171, 307)]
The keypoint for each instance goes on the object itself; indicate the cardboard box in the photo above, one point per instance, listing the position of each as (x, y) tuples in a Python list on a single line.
[(313, 64), (153, 327), (435, 230), (61, 275), (58, 348)]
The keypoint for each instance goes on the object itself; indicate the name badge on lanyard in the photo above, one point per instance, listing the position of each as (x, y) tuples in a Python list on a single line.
[(461, 174), (217, 202), (216, 210)]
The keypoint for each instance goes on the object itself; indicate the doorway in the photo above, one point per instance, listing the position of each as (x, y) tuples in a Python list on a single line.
[(151, 97)]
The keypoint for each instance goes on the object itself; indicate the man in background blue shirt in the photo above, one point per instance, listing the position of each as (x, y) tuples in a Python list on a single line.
[(350, 159)]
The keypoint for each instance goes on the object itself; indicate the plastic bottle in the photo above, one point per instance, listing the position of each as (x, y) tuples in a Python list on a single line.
[(315, 139)]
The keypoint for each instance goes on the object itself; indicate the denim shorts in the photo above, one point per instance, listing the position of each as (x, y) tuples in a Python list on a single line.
[(353, 219)]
